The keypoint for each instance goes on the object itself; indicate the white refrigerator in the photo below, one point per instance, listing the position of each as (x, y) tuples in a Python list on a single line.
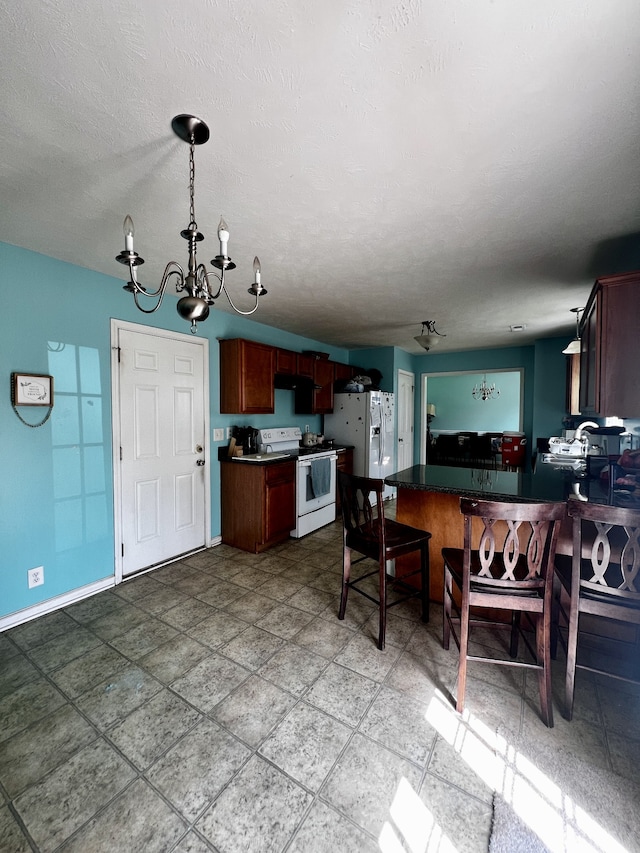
[(366, 421)]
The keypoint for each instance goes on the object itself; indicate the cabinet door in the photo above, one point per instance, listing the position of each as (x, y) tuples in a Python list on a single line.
[(286, 362), (589, 355), (280, 502), (323, 396), (343, 463), (344, 371), (246, 377), (619, 335), (305, 365)]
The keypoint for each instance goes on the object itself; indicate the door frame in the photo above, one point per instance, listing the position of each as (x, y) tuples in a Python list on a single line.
[(123, 325), (407, 373)]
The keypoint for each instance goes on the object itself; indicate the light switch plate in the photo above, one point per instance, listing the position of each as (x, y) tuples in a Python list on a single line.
[(218, 434)]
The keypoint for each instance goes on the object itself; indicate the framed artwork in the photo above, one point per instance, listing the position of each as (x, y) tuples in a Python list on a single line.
[(31, 389)]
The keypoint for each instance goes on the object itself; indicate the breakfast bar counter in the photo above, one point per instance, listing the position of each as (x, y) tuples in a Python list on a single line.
[(429, 499)]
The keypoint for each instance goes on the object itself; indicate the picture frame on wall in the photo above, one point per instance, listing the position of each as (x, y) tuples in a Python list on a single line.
[(31, 389)]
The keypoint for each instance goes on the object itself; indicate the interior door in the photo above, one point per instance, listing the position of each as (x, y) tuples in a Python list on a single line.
[(406, 383), (163, 466)]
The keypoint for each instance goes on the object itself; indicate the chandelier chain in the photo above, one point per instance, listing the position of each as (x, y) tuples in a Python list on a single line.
[(192, 182)]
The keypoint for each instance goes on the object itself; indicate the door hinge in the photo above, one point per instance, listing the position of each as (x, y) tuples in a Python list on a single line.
[(122, 548), (119, 352), (121, 454)]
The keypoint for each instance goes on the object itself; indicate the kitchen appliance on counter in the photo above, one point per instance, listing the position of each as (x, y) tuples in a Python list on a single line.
[(366, 421), (315, 476)]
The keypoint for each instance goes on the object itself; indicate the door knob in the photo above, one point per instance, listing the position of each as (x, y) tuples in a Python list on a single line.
[(200, 462), (199, 448)]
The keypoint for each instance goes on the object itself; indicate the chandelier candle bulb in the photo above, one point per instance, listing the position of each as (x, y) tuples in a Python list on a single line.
[(223, 236), (129, 231), (256, 269)]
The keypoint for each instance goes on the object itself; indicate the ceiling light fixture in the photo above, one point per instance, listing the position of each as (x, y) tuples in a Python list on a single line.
[(429, 340), (575, 346), (484, 391), (195, 306)]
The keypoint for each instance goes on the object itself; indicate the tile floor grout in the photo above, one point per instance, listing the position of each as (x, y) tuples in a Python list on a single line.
[(264, 768)]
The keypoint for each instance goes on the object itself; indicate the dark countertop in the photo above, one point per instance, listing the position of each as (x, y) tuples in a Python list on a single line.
[(544, 484), (292, 454)]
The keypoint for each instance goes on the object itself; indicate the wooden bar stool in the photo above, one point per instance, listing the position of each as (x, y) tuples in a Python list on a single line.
[(369, 533), (601, 578), (510, 570)]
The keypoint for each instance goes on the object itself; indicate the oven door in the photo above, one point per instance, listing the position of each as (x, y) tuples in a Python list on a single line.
[(306, 499)]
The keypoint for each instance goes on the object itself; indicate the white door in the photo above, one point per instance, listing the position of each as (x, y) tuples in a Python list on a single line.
[(162, 435), (405, 419)]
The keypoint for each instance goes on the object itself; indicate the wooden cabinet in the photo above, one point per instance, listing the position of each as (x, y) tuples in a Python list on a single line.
[(609, 378), (323, 376), (347, 371), (343, 463), (246, 377), (305, 365), (258, 504), (317, 397), (286, 362)]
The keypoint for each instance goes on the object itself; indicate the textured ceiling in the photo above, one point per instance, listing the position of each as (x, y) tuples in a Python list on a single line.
[(476, 162)]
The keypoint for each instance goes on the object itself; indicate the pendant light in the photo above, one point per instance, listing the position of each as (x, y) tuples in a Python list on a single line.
[(575, 345)]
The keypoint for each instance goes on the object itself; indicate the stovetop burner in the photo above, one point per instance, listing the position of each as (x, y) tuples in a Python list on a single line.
[(287, 440)]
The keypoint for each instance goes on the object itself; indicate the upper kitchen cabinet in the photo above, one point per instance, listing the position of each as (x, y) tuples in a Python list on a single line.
[(246, 377), (609, 375), (316, 398), (286, 362)]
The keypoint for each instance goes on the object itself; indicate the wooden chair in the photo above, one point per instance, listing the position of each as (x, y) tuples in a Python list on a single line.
[(601, 578), (510, 570), (481, 450), (369, 533)]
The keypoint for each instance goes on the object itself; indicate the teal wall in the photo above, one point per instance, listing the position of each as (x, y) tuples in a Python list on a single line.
[(550, 384), (56, 498), (456, 408), (484, 360)]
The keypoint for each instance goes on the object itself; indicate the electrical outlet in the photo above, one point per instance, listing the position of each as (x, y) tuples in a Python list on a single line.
[(229, 431), (35, 576), (218, 434)]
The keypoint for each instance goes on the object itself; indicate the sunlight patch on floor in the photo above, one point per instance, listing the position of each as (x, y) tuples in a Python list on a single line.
[(415, 823)]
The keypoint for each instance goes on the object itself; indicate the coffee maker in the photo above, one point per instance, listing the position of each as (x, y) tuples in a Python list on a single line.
[(247, 438)]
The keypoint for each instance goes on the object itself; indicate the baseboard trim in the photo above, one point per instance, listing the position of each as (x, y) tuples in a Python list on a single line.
[(67, 598), (51, 604)]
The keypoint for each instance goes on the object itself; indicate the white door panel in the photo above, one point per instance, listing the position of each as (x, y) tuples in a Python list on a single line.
[(405, 419), (162, 435)]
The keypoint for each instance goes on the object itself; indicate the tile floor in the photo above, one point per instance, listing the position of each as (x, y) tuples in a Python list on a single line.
[(219, 704)]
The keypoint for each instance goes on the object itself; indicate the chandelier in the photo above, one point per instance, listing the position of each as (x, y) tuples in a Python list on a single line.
[(484, 391), (194, 307), (429, 340)]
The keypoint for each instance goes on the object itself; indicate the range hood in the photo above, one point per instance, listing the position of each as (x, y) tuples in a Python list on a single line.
[(290, 382)]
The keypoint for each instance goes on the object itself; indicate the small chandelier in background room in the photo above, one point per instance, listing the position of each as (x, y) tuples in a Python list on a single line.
[(484, 391), (429, 340), (197, 282), (574, 347)]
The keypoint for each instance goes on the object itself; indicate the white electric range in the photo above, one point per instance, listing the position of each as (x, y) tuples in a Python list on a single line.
[(315, 477)]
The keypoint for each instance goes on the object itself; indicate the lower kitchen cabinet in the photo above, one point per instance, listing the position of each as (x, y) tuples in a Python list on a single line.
[(258, 504)]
